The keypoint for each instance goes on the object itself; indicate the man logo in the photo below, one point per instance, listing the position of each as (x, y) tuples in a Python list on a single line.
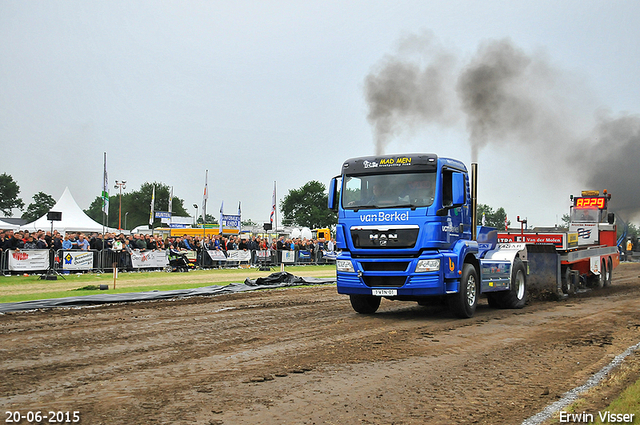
[(452, 266)]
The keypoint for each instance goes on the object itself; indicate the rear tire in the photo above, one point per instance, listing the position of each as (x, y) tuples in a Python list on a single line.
[(609, 272), (516, 297), (365, 304), (569, 282), (601, 280), (464, 303)]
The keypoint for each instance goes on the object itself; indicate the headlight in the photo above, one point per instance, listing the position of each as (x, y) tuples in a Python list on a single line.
[(345, 266), (428, 266)]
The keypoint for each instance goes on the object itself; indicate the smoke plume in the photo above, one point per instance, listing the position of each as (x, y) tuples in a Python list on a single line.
[(610, 160), (402, 94), (511, 98)]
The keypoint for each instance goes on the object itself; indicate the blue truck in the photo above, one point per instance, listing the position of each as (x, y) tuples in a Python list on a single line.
[(406, 231)]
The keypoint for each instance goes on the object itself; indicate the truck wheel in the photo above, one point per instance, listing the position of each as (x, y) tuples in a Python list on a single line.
[(365, 304), (609, 272), (600, 282), (464, 303), (516, 297), (569, 282)]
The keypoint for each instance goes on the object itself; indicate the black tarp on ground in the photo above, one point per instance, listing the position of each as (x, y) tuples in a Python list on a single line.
[(275, 280)]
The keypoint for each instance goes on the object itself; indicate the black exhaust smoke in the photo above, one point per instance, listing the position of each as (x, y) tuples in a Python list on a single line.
[(509, 99)]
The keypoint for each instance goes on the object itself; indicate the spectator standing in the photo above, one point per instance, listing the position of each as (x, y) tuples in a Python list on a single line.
[(66, 243), (82, 243)]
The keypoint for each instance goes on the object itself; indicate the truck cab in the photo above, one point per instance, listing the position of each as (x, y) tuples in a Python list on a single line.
[(405, 233)]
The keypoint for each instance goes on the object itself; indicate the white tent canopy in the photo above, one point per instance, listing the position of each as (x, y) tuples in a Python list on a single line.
[(8, 226), (73, 218)]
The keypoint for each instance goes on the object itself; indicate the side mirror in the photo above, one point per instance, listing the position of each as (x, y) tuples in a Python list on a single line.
[(332, 203), (611, 218)]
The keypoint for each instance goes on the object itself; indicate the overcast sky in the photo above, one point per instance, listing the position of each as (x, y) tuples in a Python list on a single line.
[(264, 91)]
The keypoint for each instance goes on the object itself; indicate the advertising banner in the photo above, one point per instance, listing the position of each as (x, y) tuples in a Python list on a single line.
[(237, 255), (149, 259), (587, 233), (77, 260), (217, 255), (288, 257), (231, 221), (29, 260)]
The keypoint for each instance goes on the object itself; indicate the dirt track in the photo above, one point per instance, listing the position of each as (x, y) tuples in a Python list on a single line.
[(302, 356)]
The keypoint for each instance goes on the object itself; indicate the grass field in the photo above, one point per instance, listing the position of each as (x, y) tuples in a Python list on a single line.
[(27, 288)]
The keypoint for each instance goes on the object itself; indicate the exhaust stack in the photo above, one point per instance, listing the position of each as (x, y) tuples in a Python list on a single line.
[(474, 200)]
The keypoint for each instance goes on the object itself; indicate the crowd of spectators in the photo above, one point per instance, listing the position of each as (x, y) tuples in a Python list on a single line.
[(24, 240)]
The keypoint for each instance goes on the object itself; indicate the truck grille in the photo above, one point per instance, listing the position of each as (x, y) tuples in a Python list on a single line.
[(385, 281), (371, 237), (384, 266)]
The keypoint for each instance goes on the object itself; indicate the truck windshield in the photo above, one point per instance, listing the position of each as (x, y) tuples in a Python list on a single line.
[(587, 215), (388, 190)]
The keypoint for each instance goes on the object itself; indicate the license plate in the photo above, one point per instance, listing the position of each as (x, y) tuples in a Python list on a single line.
[(384, 292)]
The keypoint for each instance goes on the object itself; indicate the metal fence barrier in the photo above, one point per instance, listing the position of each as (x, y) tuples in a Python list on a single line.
[(80, 261)]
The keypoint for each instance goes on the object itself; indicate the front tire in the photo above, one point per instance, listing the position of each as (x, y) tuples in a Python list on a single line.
[(365, 304), (464, 303)]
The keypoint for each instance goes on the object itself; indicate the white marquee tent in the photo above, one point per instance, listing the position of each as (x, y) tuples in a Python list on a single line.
[(73, 218), (8, 226)]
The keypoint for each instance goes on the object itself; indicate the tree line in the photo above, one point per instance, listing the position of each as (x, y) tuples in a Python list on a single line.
[(303, 207)]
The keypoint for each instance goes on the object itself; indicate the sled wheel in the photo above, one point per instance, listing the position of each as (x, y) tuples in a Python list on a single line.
[(609, 272), (602, 279), (569, 283)]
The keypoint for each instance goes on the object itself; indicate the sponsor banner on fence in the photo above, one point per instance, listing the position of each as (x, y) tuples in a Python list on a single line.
[(77, 260), (237, 255), (29, 260), (217, 255), (304, 255), (288, 257), (149, 259)]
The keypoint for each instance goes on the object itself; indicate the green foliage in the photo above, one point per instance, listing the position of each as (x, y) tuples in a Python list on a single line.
[(138, 204), (492, 218), (566, 220), (210, 219), (42, 204), (9, 191), (307, 206)]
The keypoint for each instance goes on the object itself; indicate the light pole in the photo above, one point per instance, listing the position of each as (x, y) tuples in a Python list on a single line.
[(195, 219), (120, 185)]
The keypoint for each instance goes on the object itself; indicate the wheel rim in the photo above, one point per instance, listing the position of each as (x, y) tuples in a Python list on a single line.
[(471, 290), (520, 286), (603, 274)]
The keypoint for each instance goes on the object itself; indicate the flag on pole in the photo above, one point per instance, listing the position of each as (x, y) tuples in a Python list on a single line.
[(239, 216), (170, 199), (273, 204), (105, 188), (205, 197), (153, 198), (506, 226), (221, 210)]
